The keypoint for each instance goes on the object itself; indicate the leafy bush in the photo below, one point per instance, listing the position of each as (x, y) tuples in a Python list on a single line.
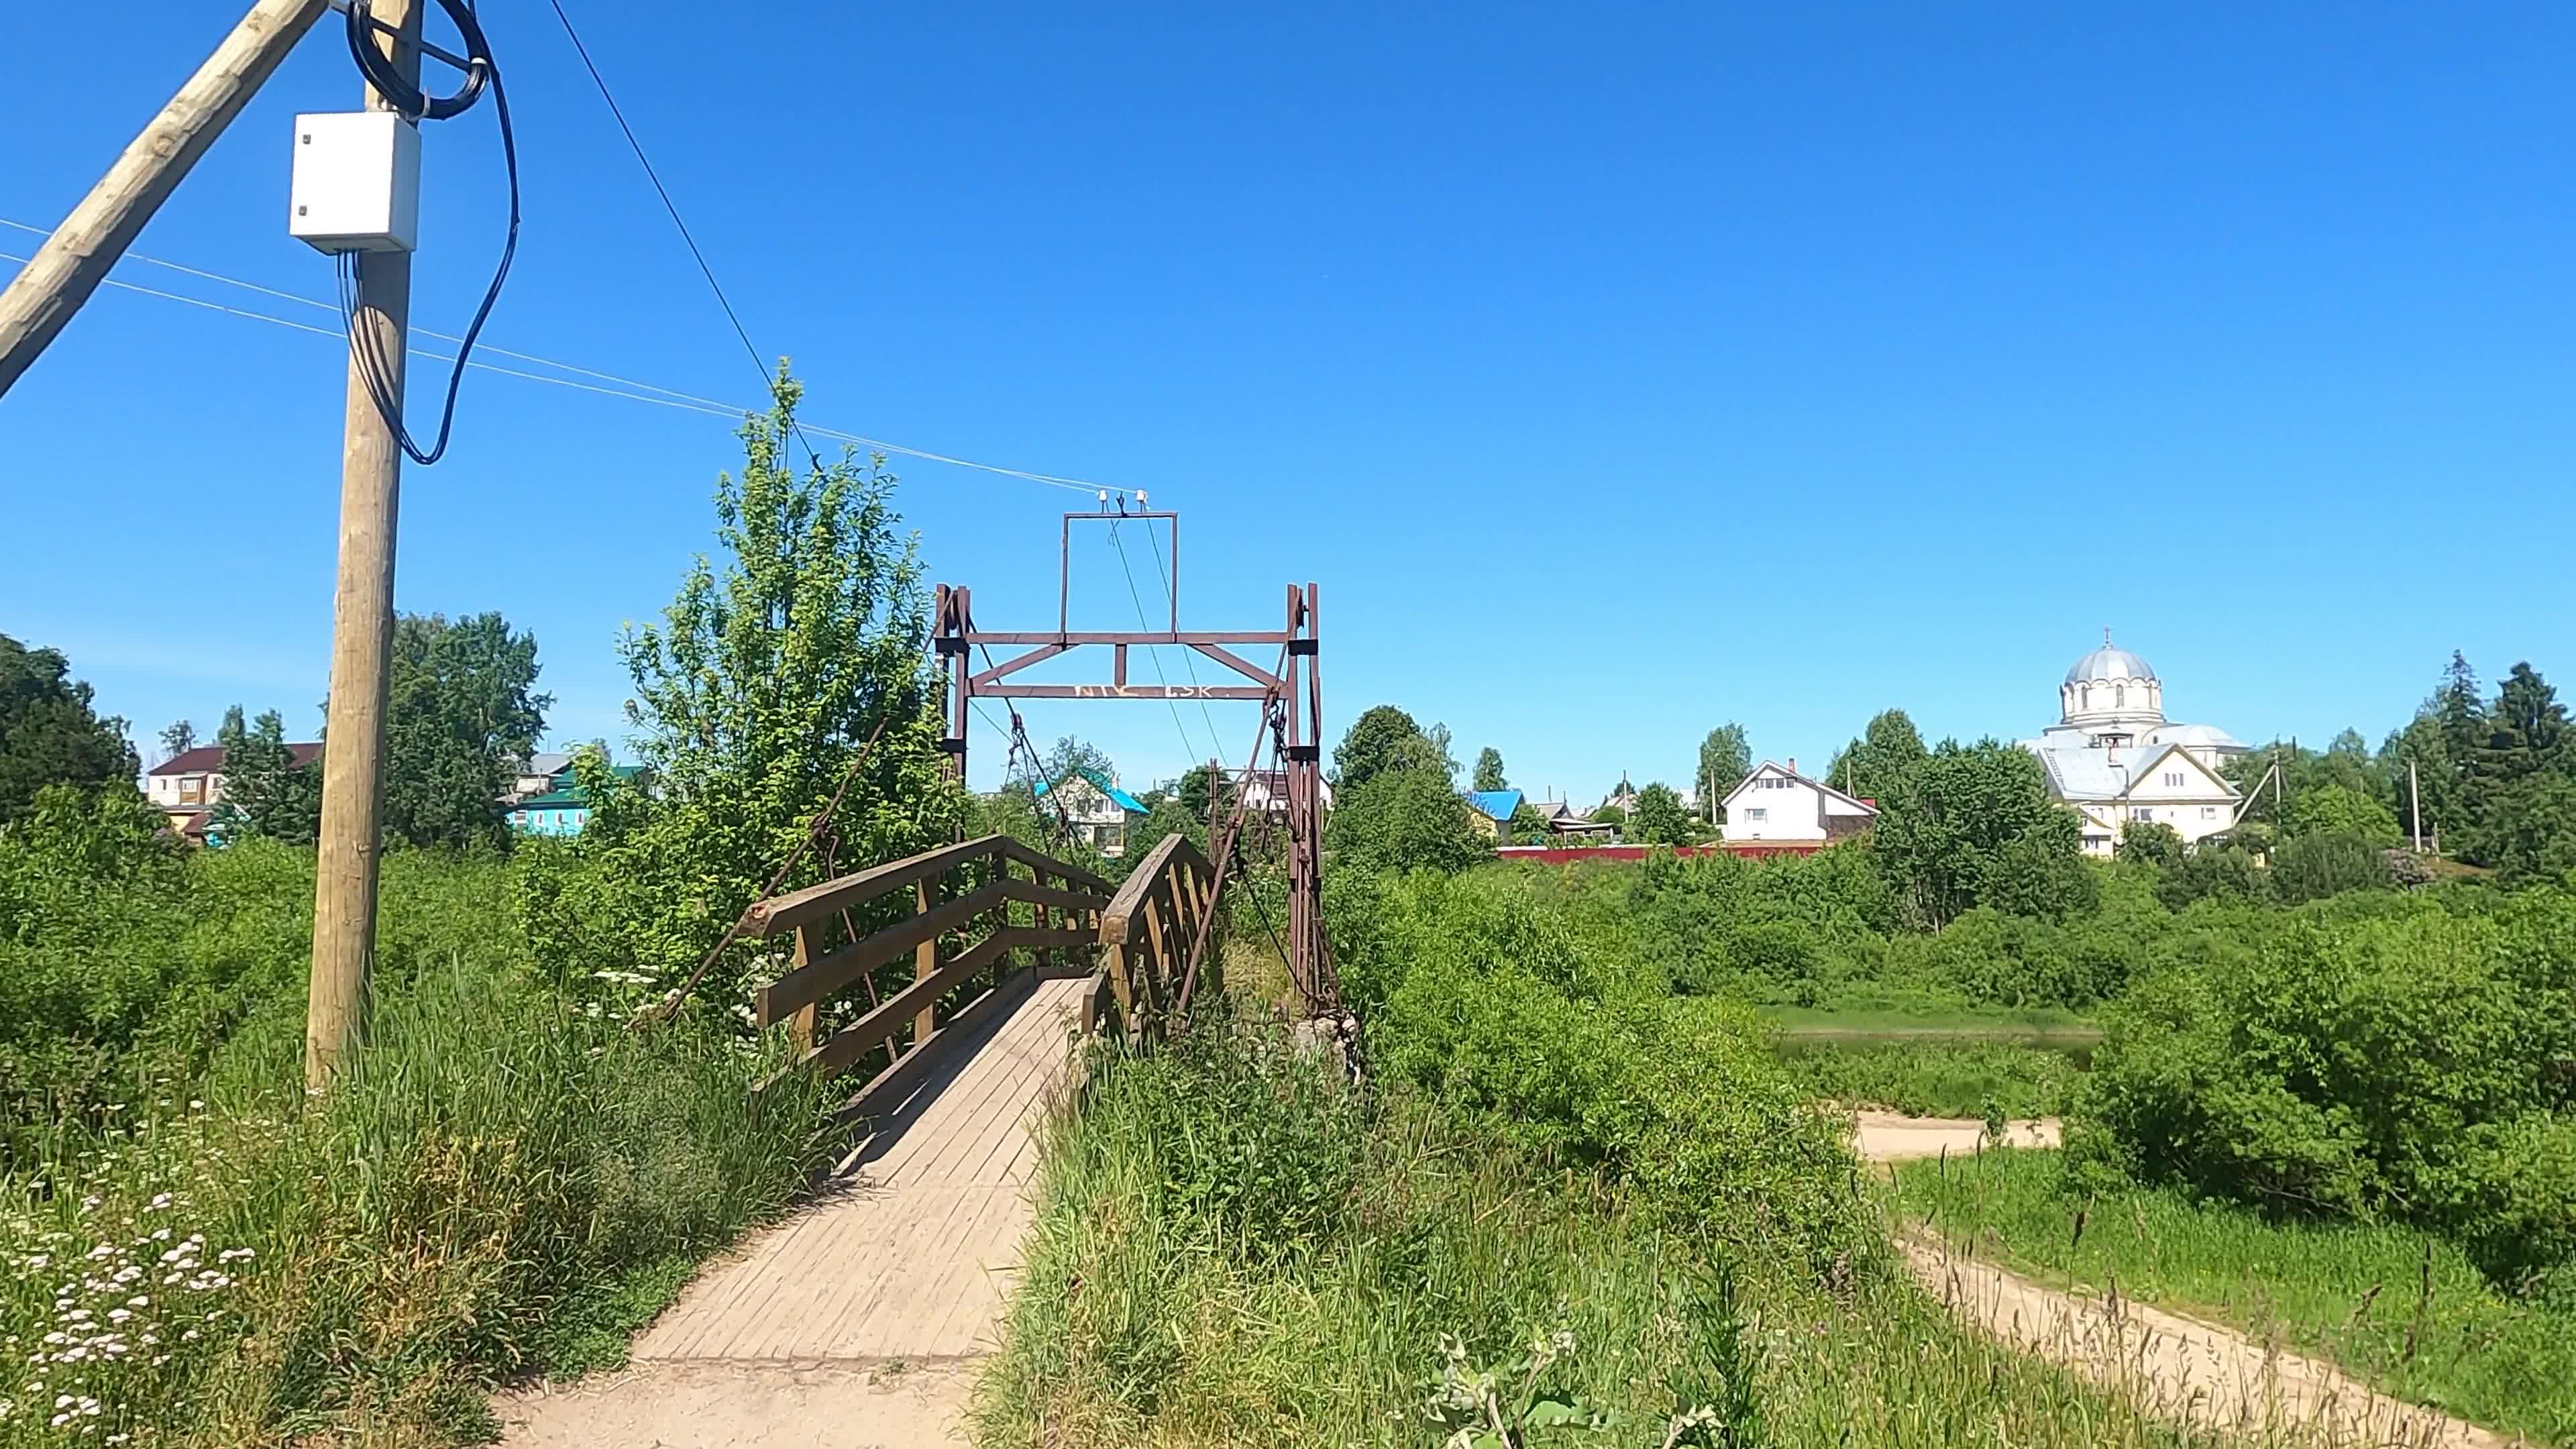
[(2313, 867), (1401, 819), (1490, 997), (1259, 1144), (2407, 1059)]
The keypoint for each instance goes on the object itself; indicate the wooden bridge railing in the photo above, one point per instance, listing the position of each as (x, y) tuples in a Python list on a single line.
[(1150, 929), (965, 890)]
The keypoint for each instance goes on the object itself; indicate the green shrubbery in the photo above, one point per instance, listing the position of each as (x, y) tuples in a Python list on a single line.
[(127, 962), (508, 1182), (2406, 1056), (1939, 1077), (1481, 991)]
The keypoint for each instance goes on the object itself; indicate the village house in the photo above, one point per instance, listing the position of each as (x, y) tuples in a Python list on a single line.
[(1098, 812), (1490, 812), (1777, 807), (189, 785), (1264, 792)]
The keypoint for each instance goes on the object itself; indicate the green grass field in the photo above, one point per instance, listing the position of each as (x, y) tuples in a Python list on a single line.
[(1935, 1076), (2396, 1306)]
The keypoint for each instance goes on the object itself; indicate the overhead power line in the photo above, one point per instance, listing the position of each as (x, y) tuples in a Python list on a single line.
[(1189, 657), (1154, 652), (704, 269), (644, 392)]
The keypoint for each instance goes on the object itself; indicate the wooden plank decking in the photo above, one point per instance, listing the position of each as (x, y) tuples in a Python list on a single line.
[(908, 1254)]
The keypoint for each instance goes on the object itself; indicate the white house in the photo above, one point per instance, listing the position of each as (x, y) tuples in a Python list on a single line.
[(188, 786), (1096, 809), (2113, 757), (1265, 792), (1777, 805)]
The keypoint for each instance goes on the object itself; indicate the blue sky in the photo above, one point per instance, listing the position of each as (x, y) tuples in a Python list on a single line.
[(1614, 375)]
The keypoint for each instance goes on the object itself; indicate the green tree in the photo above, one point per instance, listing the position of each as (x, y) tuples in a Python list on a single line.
[(1196, 791), (1070, 756), (1528, 827), (2313, 867), (2149, 842), (2526, 730), (2458, 710), (1489, 770), (50, 734), (1888, 747), (2339, 810), (1400, 820), (2530, 834), (1386, 738), (2212, 868), (177, 738), (1164, 816), (753, 699), (2040, 874), (1725, 758), (461, 712), (1661, 820), (266, 792), (1945, 825)]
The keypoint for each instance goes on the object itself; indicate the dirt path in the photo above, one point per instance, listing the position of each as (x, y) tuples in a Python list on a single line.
[(2195, 1371), (746, 1406), (1892, 1137)]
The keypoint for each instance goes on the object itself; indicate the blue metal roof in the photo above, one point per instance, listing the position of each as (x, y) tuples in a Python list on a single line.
[(1117, 797), (1495, 804)]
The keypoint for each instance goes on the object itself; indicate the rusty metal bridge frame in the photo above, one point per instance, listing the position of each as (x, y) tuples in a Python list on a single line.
[(1290, 695)]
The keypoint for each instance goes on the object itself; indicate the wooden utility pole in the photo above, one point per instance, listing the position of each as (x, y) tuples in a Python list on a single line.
[(362, 626), (70, 265)]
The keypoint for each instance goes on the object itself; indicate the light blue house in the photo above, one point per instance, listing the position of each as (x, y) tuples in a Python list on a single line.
[(563, 809)]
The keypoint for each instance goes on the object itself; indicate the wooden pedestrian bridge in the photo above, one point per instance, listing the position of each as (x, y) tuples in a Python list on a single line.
[(952, 990)]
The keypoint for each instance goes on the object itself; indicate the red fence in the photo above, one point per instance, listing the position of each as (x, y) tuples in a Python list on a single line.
[(1574, 854)]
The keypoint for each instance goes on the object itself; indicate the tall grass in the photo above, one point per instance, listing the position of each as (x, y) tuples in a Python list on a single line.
[(506, 1185), (1232, 1248), (2399, 1306), (1937, 1078)]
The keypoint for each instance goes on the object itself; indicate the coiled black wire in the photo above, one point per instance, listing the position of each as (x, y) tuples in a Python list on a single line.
[(404, 95), (366, 348)]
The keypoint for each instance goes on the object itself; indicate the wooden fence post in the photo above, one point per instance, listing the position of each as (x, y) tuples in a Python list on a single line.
[(925, 964), (801, 1028)]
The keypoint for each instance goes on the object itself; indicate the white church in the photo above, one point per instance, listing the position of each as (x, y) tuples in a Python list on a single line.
[(2114, 759)]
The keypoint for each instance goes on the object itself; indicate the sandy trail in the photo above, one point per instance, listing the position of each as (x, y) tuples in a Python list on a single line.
[(1893, 1137), (732, 1405), (2194, 1371)]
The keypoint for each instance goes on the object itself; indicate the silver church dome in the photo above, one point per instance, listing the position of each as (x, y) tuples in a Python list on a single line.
[(2109, 662)]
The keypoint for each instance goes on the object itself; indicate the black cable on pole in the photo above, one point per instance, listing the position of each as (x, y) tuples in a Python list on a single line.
[(767, 379), (367, 351), (405, 95)]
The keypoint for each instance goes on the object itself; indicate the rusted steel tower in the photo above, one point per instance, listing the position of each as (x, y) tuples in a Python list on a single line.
[(1290, 693)]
